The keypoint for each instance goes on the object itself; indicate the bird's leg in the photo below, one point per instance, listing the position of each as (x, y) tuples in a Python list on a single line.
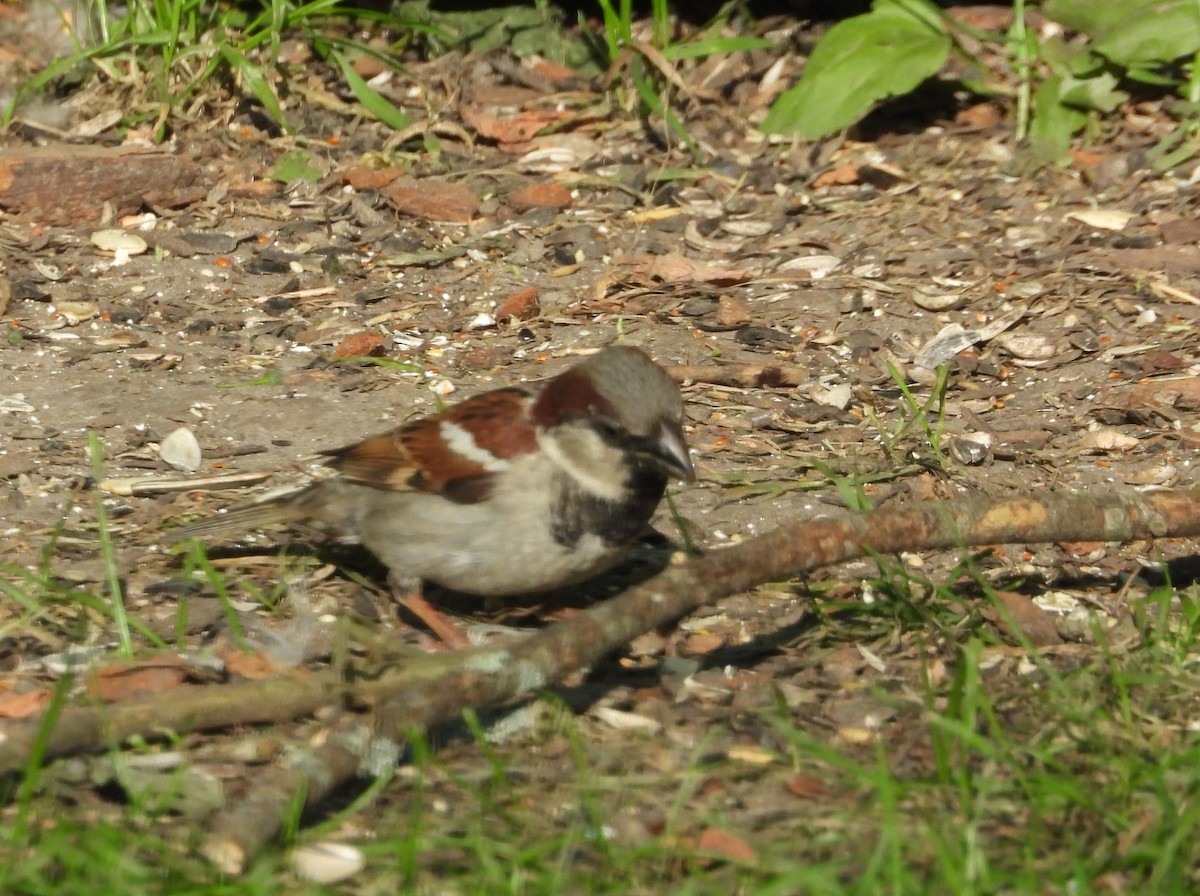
[(407, 592)]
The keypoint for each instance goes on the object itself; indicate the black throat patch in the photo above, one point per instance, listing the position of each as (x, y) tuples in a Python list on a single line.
[(577, 512)]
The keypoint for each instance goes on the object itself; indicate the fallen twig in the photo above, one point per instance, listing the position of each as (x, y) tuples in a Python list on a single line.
[(430, 690), (747, 376)]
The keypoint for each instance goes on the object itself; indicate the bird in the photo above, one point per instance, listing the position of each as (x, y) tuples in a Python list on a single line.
[(514, 491)]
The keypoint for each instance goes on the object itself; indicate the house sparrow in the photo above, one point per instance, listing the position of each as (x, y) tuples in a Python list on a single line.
[(517, 490)]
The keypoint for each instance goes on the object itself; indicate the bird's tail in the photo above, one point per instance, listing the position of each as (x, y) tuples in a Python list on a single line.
[(291, 506)]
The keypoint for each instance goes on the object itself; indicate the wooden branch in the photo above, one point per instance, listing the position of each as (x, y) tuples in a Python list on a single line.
[(66, 184), (430, 690)]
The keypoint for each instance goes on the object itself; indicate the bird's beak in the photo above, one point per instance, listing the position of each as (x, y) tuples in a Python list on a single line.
[(671, 451)]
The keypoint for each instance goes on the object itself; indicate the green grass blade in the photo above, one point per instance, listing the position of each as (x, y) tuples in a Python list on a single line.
[(107, 552), (370, 99)]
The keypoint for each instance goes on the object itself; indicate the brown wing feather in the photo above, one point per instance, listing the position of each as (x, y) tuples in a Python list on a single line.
[(416, 456), (515, 434), (381, 461)]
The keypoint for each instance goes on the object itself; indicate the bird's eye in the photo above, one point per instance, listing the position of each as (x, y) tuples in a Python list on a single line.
[(608, 428)]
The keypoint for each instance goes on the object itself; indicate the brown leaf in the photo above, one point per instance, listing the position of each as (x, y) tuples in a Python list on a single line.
[(251, 189), (701, 643), (980, 116), (841, 176), (1183, 230), (1182, 394), (127, 679), (520, 305), (1033, 622), (674, 268), (433, 199), (513, 129), (732, 312), (715, 841), (360, 345), (807, 787), (1161, 361), (1081, 548), (540, 195), (553, 71), (1087, 158), (363, 178), (19, 706), (246, 663)]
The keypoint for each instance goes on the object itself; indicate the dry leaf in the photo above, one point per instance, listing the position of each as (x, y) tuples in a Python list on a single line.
[(674, 268), (1031, 620), (715, 841), (246, 663), (1102, 218), (841, 176), (516, 128), (360, 345), (126, 680), (520, 305), (20, 706), (433, 199)]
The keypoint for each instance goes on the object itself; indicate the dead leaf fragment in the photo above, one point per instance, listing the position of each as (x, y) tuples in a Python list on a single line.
[(1182, 394), (516, 128), (841, 176), (1102, 218), (433, 199), (675, 268), (807, 787), (20, 706), (126, 680), (246, 663), (361, 178), (328, 863), (717, 842), (627, 721), (980, 116), (1181, 231), (360, 345), (541, 195), (1107, 439), (520, 305), (1031, 621), (701, 643), (732, 312)]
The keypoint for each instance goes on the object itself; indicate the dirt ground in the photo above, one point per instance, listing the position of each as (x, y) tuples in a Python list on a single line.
[(844, 259)]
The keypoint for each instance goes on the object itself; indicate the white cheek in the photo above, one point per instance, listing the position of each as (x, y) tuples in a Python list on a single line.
[(594, 465)]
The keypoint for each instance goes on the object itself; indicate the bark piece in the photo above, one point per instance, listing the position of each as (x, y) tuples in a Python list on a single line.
[(66, 184)]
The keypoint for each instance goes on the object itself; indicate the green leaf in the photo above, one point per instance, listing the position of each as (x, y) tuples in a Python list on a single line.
[(1133, 32), (1096, 92), (270, 378), (252, 75), (860, 61), (294, 165), (1054, 124), (371, 100), (368, 361), (713, 46)]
